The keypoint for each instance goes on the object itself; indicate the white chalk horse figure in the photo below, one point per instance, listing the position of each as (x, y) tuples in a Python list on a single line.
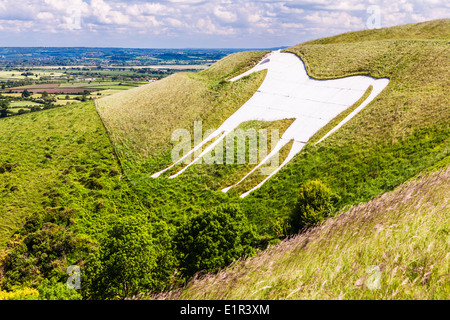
[(287, 93)]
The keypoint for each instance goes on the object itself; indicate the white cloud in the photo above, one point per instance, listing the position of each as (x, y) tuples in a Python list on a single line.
[(326, 19), (253, 19), (224, 15)]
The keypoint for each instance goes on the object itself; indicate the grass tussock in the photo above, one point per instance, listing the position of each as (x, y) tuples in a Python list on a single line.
[(403, 236)]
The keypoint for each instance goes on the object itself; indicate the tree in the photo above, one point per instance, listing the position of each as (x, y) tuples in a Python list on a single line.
[(213, 239), (134, 257), (43, 248), (314, 204), (4, 105), (26, 93)]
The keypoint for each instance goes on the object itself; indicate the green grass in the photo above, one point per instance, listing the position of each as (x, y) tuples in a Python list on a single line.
[(16, 75), (402, 132), (18, 104), (404, 233), (77, 84), (429, 30), (64, 158), (52, 155)]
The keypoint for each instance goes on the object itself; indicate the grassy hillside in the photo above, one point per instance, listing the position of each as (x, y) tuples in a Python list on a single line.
[(429, 30), (59, 158), (403, 236), (142, 120), (404, 131), (73, 175)]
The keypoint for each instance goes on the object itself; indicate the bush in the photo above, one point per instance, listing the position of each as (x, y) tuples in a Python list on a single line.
[(6, 167), (54, 290), (314, 204), (213, 239), (42, 249), (20, 294)]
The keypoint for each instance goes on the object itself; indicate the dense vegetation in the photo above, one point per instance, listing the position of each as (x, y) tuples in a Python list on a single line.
[(395, 247), (75, 188)]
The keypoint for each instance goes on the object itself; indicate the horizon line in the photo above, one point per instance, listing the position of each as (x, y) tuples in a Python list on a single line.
[(155, 48)]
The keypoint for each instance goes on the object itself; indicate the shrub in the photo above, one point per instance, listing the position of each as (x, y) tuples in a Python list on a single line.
[(42, 249), (20, 294), (42, 254), (314, 204), (213, 239), (92, 183), (54, 290)]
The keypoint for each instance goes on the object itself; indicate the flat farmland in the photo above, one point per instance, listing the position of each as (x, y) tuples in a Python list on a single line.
[(17, 74), (19, 104), (51, 90), (38, 86)]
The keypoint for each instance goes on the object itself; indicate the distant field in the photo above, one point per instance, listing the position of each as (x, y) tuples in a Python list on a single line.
[(45, 148), (12, 95), (143, 118), (403, 131), (37, 86), (16, 75), (403, 234), (56, 90), (17, 104), (76, 84), (49, 88)]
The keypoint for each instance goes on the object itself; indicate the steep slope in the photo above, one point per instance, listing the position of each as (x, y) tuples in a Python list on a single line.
[(396, 246), (405, 130)]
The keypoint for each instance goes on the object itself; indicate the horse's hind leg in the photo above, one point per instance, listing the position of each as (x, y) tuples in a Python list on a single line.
[(275, 150), (296, 148)]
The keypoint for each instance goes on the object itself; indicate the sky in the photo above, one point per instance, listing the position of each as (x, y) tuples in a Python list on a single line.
[(198, 23)]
